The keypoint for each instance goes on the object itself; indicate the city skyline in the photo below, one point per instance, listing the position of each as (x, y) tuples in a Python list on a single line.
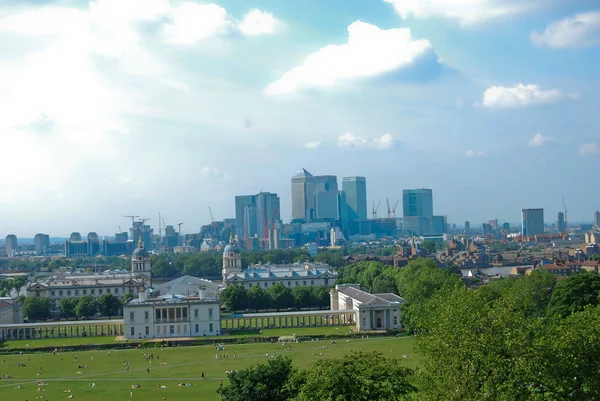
[(494, 111)]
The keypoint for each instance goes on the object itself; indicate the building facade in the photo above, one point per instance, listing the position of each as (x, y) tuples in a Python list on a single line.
[(355, 189), (326, 197), (532, 222), (41, 243), (10, 245), (372, 311), (562, 227), (11, 311), (303, 196), (417, 206)]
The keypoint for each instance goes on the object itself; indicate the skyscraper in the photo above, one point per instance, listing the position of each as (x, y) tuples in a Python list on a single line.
[(467, 226), (597, 218), (242, 203), (561, 222), (41, 243), (10, 245), (256, 214), (532, 221), (303, 196), (326, 197), (356, 197), (417, 206)]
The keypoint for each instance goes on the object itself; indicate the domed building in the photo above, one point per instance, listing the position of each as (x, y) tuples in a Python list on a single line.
[(232, 260), (140, 262)]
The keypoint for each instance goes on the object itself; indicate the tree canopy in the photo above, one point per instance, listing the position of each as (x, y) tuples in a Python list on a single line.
[(36, 308), (574, 293)]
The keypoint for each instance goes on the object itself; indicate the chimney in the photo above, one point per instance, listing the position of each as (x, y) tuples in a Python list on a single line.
[(142, 295), (201, 294)]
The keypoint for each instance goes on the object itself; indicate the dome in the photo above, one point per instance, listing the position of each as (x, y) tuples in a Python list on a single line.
[(231, 248), (140, 252)]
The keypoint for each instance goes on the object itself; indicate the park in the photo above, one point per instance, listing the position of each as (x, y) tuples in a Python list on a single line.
[(154, 371)]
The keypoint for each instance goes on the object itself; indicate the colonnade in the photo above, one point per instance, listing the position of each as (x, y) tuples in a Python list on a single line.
[(47, 330), (260, 321)]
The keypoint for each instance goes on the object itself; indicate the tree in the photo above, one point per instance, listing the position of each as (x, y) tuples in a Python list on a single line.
[(36, 308), (384, 285), (86, 307), (108, 305), (280, 297), (357, 376), (574, 293), (234, 297), (302, 296), (319, 296), (67, 307), (263, 382), (126, 298), (430, 246), (333, 259), (257, 298)]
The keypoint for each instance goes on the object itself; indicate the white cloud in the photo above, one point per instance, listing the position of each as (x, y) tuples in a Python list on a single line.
[(312, 145), (258, 22), (370, 51), (194, 22), (467, 12), (470, 153), (588, 149), (538, 140), (349, 140), (581, 30), (520, 96)]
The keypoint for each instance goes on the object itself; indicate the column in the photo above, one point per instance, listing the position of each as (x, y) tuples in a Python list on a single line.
[(385, 318)]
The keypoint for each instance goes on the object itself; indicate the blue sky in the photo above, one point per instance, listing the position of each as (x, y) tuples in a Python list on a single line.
[(114, 107)]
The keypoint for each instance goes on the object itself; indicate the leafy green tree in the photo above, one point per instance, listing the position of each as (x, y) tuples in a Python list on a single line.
[(319, 296), (108, 305), (384, 285), (36, 308), (86, 307), (355, 377), (430, 246), (67, 307), (332, 258), (574, 293), (257, 298), (302, 296), (280, 297), (234, 297), (262, 382), (126, 298)]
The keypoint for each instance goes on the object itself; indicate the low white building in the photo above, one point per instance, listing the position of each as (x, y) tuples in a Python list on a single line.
[(184, 307), (11, 311), (373, 311)]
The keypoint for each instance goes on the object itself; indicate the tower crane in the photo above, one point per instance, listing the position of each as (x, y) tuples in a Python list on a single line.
[(388, 208), (394, 209), (132, 219), (375, 209), (179, 238), (565, 208)]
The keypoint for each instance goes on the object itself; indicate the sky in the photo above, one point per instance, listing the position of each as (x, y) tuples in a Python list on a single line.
[(118, 107)]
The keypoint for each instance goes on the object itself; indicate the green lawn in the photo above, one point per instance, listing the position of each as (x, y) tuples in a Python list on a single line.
[(299, 331), (57, 342), (176, 365)]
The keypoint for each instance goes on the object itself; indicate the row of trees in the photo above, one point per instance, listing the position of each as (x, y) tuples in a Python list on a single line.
[(278, 296), (36, 308), (13, 283)]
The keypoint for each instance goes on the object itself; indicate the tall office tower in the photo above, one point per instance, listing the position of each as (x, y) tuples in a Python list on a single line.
[(121, 237), (486, 229), (144, 231), (243, 202), (342, 208), (506, 227), (10, 245), (532, 221), (467, 226), (418, 210), (597, 218), (561, 222), (92, 236), (303, 196), (326, 197), (356, 197), (494, 224), (41, 243), (268, 213), (439, 225), (75, 236)]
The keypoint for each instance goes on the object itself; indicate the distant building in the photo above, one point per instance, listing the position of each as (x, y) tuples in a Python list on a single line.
[(184, 307), (10, 245), (326, 197), (355, 189), (467, 226), (418, 210), (439, 225), (494, 225), (74, 237), (256, 214), (532, 221), (486, 229), (76, 249), (372, 311), (562, 227), (303, 196), (77, 285), (41, 243), (597, 218), (11, 311), (143, 231), (506, 227)]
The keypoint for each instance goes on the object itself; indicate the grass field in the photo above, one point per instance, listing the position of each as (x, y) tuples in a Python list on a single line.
[(173, 366)]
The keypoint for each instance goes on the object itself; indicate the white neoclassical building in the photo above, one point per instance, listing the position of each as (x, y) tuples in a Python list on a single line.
[(373, 311), (117, 283), (184, 307), (265, 276)]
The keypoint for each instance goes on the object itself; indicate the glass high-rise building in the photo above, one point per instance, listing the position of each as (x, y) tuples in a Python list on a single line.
[(303, 196), (326, 197), (417, 205), (356, 197), (562, 227), (256, 214), (532, 221)]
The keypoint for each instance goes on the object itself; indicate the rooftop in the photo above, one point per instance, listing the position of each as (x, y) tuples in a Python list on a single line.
[(365, 298)]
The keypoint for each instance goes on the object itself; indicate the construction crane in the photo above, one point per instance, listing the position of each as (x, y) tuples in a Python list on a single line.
[(212, 218), (120, 231), (132, 219), (375, 209), (388, 208), (565, 208), (179, 238), (394, 209)]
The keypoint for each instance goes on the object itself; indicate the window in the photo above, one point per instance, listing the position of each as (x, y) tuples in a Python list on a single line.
[(304, 282), (93, 291), (133, 331), (76, 292), (266, 285), (184, 328), (289, 283), (131, 316), (99, 291), (147, 330), (172, 329), (210, 312), (158, 330), (68, 293), (250, 285), (364, 322), (178, 329), (84, 292), (326, 281), (197, 328), (116, 290), (210, 327), (52, 293), (146, 315), (312, 282), (60, 293), (395, 320), (184, 313), (196, 313)]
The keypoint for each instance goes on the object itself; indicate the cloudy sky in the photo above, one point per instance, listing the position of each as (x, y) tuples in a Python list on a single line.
[(116, 107)]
